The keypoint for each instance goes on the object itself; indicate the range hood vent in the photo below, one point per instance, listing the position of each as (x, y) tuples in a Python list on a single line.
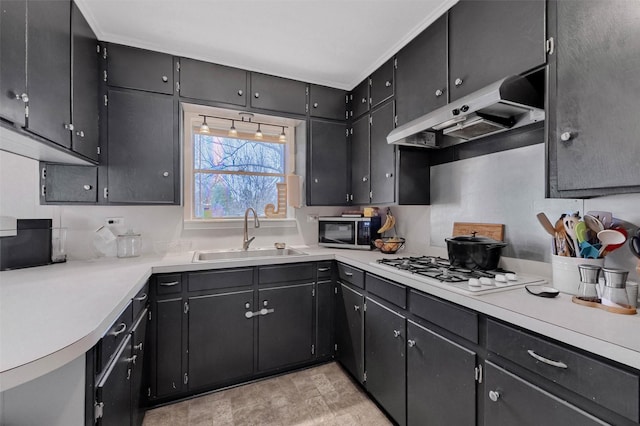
[(506, 104)]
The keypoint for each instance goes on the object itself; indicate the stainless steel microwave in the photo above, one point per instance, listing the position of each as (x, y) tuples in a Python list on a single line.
[(348, 232)]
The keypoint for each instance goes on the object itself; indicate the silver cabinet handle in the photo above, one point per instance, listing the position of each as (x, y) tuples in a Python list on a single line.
[(165, 174), (170, 283), (411, 343), (165, 78), (68, 126), (87, 187), (439, 93), (557, 364), (458, 82), (388, 175), (121, 328), (240, 92), (565, 136), (22, 97), (323, 269), (387, 83), (364, 178), (263, 311), (396, 333), (141, 298), (315, 181), (494, 395), (315, 105), (256, 95), (356, 308), (80, 133), (364, 100), (349, 274)]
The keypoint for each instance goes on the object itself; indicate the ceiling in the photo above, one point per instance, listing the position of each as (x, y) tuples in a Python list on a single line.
[(335, 43)]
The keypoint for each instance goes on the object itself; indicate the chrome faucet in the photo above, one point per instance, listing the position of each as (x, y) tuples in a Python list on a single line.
[(256, 224)]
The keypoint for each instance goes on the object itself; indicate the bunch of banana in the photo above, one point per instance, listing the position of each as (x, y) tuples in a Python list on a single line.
[(389, 223)]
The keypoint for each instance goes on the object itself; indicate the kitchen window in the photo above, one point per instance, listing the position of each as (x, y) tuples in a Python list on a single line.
[(226, 174)]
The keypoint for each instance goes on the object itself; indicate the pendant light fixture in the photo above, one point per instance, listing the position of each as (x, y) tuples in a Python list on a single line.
[(245, 117), (283, 136), (232, 131), (204, 128), (258, 134)]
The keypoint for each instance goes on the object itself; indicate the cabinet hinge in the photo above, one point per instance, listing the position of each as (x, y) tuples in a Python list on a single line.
[(98, 150), (104, 53), (306, 108), (149, 316), (395, 63), (335, 347), (186, 378), (550, 46), (395, 121), (478, 373), (350, 197), (149, 392), (346, 132), (98, 410), (186, 307), (370, 195), (43, 173), (347, 197), (178, 66), (105, 192), (313, 292), (351, 131), (26, 111), (370, 82), (306, 90), (370, 121), (43, 190), (106, 100), (346, 99), (364, 377), (370, 101), (104, 75), (313, 349), (335, 290), (346, 115), (177, 86), (97, 48)]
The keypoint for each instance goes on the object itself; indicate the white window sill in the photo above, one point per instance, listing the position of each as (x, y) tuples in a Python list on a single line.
[(239, 223)]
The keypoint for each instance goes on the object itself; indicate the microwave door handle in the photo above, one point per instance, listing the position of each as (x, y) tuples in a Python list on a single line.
[(331, 240)]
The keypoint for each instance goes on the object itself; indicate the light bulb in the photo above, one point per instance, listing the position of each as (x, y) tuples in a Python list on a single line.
[(258, 133), (204, 128), (232, 131), (282, 137)]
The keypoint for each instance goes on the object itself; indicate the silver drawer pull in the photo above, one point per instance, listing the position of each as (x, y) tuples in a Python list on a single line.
[(140, 298), (121, 328), (558, 364), (263, 311), (170, 284), (349, 274), (323, 269)]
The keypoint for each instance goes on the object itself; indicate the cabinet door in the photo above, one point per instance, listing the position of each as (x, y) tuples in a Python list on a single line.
[(383, 164), (220, 338), (510, 400), (421, 74), (327, 160), (595, 99), (325, 312), (327, 102), (360, 150), (441, 387), (140, 69), (413, 176), (138, 343), (360, 102), (84, 137), (278, 94), (142, 150), (382, 83), (114, 389), (212, 82), (167, 343), (13, 51), (70, 184), (285, 335), (350, 331), (385, 333), (489, 40), (49, 70)]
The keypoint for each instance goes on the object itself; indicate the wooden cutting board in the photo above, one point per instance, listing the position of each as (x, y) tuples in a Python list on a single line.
[(491, 230)]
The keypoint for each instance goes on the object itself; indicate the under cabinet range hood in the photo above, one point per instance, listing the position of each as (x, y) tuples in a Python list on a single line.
[(506, 104)]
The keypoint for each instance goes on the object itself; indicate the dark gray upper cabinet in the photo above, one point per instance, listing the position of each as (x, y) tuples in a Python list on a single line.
[(489, 40), (421, 73), (278, 94), (13, 51), (327, 102), (360, 100), (413, 176), (140, 69), (385, 337), (143, 148), (360, 151), (212, 82), (327, 163), (85, 80), (381, 83), (49, 70), (383, 163), (68, 184), (593, 97)]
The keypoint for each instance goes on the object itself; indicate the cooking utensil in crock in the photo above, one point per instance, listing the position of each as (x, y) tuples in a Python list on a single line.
[(606, 218), (471, 252), (609, 237), (581, 232), (570, 223), (546, 224), (612, 247), (593, 223), (634, 244)]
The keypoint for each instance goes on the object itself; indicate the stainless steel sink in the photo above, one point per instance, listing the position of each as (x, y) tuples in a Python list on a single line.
[(257, 253)]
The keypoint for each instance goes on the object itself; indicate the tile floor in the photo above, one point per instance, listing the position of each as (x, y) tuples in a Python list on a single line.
[(323, 395)]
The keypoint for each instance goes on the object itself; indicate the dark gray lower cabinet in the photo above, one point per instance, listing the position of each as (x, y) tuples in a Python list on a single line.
[(220, 338), (285, 329), (325, 321), (510, 400), (138, 378), (113, 391), (385, 337), (350, 331), (167, 348), (441, 386)]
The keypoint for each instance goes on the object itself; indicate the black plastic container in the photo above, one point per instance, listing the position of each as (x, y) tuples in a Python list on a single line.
[(30, 247), (473, 252)]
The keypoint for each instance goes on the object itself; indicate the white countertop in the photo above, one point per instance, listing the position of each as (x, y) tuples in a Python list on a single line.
[(52, 314)]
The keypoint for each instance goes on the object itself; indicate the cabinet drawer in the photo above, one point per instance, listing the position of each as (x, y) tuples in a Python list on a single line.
[(211, 280), (169, 284), (389, 291), (606, 385), (139, 301), (351, 275), (114, 336), (324, 271), (453, 318), (277, 274)]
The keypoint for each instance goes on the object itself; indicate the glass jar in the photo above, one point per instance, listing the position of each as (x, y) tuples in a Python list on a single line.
[(588, 287), (129, 244), (614, 292)]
